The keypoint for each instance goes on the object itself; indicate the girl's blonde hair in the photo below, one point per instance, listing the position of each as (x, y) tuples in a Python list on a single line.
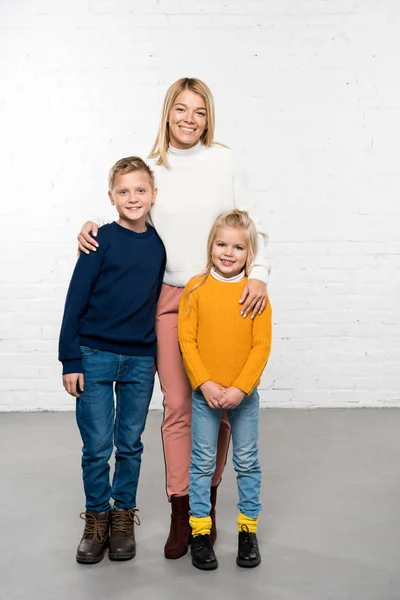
[(237, 219), (160, 147)]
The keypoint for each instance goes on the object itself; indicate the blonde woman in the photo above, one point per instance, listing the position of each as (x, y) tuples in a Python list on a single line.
[(197, 179)]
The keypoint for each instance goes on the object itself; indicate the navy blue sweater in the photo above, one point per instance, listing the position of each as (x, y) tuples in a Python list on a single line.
[(112, 297)]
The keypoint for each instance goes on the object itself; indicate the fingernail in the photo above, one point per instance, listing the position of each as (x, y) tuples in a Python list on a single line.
[(87, 251), (94, 234), (241, 312)]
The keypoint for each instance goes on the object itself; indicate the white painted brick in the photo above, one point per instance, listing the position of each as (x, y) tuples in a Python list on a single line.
[(306, 91)]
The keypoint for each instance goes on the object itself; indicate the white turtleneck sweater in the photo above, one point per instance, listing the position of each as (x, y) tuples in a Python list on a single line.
[(198, 185)]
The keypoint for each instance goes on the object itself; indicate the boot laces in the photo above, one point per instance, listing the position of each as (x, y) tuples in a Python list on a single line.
[(122, 520), (97, 528), (203, 541), (246, 538)]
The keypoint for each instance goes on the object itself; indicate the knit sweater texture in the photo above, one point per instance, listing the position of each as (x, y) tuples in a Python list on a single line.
[(197, 185), (111, 300), (216, 342)]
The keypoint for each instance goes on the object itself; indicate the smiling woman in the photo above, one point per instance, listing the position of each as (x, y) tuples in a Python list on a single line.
[(187, 120), (197, 179)]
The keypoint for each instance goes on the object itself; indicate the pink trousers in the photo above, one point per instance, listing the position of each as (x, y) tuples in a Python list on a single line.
[(175, 386)]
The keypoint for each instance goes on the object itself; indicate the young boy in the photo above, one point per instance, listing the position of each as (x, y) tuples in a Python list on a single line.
[(107, 337)]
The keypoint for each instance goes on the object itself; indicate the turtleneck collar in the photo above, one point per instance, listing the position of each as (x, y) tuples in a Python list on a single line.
[(187, 151), (186, 156), (219, 277)]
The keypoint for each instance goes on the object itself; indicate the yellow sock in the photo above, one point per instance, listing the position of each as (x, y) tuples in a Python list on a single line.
[(246, 522), (200, 525)]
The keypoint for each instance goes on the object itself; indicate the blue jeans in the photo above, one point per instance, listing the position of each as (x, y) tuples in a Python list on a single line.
[(102, 424), (205, 427)]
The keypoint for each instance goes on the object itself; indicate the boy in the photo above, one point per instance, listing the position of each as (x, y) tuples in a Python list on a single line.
[(107, 337)]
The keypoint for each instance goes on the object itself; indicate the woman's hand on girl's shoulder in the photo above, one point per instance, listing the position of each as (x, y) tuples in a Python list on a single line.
[(254, 298), (86, 243)]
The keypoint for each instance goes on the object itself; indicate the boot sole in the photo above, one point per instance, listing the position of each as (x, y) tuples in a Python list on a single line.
[(247, 565), (88, 561), (176, 556), (205, 567), (121, 557)]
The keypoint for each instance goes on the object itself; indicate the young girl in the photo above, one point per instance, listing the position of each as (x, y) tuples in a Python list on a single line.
[(224, 356)]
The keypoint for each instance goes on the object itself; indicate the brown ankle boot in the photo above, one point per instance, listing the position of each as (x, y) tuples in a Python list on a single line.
[(95, 537), (213, 499), (177, 542), (122, 538)]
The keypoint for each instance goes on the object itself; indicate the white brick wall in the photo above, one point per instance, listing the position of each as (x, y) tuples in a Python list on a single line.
[(309, 90)]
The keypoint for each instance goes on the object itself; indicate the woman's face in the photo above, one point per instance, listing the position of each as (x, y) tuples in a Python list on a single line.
[(187, 120)]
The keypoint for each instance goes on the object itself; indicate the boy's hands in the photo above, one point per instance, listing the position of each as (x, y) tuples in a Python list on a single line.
[(231, 398), (86, 242), (70, 382), (213, 393)]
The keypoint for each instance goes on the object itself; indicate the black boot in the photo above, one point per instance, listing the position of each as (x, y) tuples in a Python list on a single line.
[(122, 538), (179, 533), (248, 551), (95, 537), (203, 556)]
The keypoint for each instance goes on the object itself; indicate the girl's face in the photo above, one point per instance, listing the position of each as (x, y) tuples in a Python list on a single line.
[(187, 120), (229, 251)]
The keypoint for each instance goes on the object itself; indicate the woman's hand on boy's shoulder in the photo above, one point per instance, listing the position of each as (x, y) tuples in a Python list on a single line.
[(86, 243), (74, 384)]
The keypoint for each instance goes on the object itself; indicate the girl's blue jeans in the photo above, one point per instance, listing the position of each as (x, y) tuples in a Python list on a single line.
[(244, 427), (103, 424)]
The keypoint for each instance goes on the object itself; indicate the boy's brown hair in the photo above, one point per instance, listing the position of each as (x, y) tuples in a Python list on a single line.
[(129, 165)]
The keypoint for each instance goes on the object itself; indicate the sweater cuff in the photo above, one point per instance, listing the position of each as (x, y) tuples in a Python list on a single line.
[(244, 386), (260, 273), (72, 366)]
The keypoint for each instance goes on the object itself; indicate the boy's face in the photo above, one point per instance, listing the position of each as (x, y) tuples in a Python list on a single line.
[(133, 196)]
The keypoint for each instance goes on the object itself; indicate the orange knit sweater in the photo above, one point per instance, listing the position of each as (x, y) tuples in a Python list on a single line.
[(217, 343)]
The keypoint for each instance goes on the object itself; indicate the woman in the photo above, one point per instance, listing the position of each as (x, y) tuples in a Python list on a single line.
[(197, 179)]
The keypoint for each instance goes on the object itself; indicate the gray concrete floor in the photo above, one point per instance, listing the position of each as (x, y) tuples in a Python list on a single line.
[(330, 527)]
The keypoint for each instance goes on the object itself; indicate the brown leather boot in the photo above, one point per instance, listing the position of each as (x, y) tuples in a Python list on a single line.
[(213, 499), (178, 539), (122, 538), (95, 537)]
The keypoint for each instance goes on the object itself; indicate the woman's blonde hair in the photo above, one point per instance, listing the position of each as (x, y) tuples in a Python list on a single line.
[(160, 147), (237, 219)]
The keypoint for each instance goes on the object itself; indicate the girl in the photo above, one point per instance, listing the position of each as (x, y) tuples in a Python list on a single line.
[(197, 179), (224, 356)]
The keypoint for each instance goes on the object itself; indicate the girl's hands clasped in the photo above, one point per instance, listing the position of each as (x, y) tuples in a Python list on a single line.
[(212, 393), (231, 398), (254, 298), (217, 396)]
